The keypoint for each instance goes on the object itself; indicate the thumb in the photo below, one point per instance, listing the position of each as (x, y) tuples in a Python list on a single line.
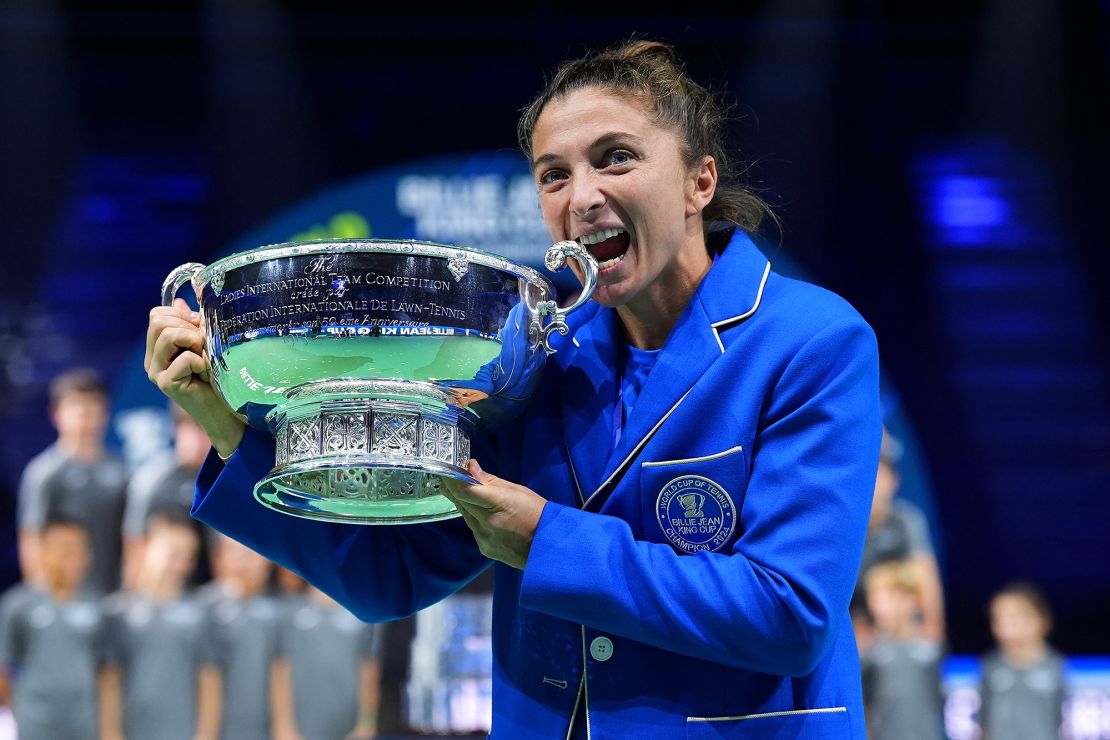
[(185, 311), (480, 475)]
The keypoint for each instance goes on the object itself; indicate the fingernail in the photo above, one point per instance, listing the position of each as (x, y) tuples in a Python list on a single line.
[(477, 467), (194, 315)]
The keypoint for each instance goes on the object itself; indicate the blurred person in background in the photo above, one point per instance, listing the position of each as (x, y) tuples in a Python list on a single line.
[(76, 478), (245, 623), (51, 651), (167, 481), (897, 531), (288, 585), (161, 682), (901, 665), (325, 684), (1023, 682)]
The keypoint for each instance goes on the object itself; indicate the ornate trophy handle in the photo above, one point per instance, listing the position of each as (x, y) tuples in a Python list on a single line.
[(556, 259), (186, 273)]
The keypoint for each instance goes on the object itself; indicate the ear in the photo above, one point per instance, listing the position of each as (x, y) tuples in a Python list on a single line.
[(701, 186)]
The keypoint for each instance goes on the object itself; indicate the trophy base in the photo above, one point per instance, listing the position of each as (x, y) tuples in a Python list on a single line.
[(366, 452)]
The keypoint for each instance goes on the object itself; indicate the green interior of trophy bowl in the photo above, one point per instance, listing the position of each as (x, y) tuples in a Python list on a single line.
[(290, 361)]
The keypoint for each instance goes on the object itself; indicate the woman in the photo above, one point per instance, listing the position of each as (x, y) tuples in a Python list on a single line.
[(690, 487)]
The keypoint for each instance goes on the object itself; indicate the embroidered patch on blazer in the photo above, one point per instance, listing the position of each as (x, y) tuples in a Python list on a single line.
[(695, 514)]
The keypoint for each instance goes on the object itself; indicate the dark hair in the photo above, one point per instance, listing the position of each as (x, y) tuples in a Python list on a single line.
[(651, 73), (1031, 593), (54, 520), (168, 514), (77, 380)]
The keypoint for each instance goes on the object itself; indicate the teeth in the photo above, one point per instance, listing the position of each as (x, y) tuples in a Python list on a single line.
[(609, 263), (587, 239)]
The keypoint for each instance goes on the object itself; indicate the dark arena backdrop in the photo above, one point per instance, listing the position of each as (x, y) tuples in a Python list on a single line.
[(943, 167)]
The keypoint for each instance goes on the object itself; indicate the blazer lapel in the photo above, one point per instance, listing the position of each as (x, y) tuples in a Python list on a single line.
[(588, 398)]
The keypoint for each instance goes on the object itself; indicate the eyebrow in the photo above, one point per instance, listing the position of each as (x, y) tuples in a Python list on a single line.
[(606, 138)]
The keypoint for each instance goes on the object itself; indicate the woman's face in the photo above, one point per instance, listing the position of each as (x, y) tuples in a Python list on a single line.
[(614, 180)]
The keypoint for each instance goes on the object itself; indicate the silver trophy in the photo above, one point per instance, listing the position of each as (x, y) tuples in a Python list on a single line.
[(373, 363)]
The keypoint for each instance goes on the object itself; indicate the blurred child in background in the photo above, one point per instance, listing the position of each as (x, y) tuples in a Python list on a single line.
[(161, 683), (289, 586), (325, 684), (898, 530), (50, 646), (167, 481), (901, 666), (77, 479), (244, 636), (1023, 678)]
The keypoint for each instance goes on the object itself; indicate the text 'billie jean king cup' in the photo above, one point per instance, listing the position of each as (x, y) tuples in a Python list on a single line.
[(374, 362)]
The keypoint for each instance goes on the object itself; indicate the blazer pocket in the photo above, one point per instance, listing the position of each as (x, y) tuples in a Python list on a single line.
[(694, 504), (806, 724)]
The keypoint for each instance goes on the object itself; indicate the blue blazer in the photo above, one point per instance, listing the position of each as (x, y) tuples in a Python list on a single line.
[(693, 581)]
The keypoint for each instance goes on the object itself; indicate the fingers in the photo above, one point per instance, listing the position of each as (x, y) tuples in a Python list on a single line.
[(489, 493), (480, 475), (154, 331), (488, 479), (484, 493), (186, 368), (472, 521), (479, 527), (465, 508), (169, 344), (502, 516), (460, 492), (162, 317)]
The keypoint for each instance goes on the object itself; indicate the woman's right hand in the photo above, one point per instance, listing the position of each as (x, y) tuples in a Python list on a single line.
[(175, 362)]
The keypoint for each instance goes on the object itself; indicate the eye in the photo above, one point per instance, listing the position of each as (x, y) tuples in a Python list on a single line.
[(551, 176), (618, 157)]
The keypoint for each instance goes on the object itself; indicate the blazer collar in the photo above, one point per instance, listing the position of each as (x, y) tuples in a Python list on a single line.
[(727, 296), (733, 289)]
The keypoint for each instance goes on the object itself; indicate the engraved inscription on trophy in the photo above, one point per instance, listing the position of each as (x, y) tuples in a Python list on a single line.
[(321, 263), (332, 296)]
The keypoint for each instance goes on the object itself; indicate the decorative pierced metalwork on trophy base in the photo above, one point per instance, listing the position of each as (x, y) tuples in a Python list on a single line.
[(366, 451)]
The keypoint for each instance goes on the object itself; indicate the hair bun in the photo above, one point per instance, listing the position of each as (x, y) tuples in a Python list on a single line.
[(642, 48)]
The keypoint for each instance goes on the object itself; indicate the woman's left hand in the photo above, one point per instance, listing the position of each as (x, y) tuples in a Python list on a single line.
[(503, 516)]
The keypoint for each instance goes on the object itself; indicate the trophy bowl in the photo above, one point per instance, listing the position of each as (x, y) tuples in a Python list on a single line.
[(373, 363)]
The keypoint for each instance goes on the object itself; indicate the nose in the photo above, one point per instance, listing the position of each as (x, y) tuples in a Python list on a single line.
[(586, 199)]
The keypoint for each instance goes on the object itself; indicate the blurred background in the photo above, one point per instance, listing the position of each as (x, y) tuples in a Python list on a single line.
[(941, 166)]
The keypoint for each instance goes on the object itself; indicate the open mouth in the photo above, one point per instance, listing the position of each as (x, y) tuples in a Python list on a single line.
[(608, 246)]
